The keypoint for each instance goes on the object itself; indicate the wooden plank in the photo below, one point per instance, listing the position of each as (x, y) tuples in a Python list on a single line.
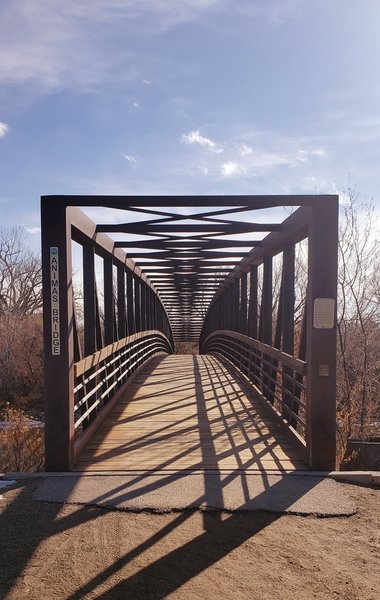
[(187, 413)]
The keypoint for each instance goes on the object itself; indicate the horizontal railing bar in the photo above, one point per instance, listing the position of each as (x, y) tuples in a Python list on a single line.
[(85, 415), (293, 397), (299, 384), (140, 356), (229, 351), (290, 361), (94, 359), (96, 374)]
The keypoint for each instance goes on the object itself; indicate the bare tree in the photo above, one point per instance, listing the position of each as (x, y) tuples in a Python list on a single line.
[(358, 390), (20, 321), (20, 274), (358, 344)]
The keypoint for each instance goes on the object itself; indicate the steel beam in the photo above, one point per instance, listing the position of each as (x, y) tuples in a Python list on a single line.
[(59, 365), (321, 337)]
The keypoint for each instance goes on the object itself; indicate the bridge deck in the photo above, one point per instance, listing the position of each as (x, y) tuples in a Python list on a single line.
[(187, 412)]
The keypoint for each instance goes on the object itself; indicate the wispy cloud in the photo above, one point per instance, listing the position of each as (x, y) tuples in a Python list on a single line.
[(302, 156), (275, 13), (4, 129), (232, 168), (33, 230), (245, 149), (195, 137), (130, 158), (54, 45), (264, 155)]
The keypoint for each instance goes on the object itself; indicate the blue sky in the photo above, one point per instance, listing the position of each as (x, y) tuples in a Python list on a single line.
[(187, 97)]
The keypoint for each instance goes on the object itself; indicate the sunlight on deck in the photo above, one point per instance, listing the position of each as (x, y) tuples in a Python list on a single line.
[(187, 413)]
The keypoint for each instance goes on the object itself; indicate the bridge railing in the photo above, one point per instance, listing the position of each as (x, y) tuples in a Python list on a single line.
[(292, 368), (88, 360), (279, 377), (98, 378)]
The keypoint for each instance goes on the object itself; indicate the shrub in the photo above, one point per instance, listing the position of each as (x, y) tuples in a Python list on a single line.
[(21, 442)]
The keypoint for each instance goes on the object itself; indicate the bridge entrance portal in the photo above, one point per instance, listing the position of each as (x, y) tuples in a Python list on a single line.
[(256, 290)]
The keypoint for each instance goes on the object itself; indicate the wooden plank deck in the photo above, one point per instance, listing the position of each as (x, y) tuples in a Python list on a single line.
[(187, 413)]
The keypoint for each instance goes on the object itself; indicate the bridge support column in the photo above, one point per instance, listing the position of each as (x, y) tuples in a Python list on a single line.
[(321, 335), (58, 336)]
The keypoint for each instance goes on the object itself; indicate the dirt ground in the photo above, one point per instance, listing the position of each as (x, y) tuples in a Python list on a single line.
[(55, 552)]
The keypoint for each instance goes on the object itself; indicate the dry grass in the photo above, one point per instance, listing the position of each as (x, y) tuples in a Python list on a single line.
[(21, 442)]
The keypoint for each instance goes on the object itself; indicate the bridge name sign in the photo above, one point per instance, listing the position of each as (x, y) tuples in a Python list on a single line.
[(54, 288)]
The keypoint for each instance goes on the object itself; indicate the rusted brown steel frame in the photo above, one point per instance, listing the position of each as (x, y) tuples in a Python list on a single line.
[(294, 229), (313, 341), (113, 372), (129, 354), (84, 231), (111, 324), (257, 201), (237, 348), (231, 351), (226, 352), (165, 229), (319, 223), (62, 224)]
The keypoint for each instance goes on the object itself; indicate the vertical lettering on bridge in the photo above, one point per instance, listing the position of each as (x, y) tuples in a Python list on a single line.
[(54, 289)]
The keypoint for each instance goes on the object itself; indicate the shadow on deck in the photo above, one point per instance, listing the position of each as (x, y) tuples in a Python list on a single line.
[(188, 413)]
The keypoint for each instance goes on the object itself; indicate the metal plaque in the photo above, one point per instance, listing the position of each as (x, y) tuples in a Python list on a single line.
[(324, 313)]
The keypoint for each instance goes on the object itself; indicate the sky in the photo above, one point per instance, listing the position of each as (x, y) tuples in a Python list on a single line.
[(186, 97)]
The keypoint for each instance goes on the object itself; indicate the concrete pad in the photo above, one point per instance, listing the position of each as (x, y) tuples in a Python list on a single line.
[(235, 491)]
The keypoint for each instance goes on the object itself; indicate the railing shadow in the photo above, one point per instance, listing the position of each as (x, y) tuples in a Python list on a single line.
[(220, 536), (171, 571), (160, 578), (174, 426)]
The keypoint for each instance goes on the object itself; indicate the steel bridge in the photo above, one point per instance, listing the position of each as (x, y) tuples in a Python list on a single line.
[(257, 292)]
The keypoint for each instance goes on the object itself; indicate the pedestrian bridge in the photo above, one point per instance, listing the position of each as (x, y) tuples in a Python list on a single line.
[(161, 276)]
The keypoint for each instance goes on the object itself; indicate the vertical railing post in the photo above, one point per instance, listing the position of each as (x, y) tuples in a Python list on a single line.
[(58, 318), (154, 312), (252, 320), (222, 302), (288, 275), (288, 298), (130, 317), (137, 286), (252, 317), (91, 316), (266, 307), (243, 303), (321, 335), (143, 306), (236, 304), (89, 299), (121, 304), (244, 318), (229, 307), (266, 321), (109, 306), (148, 308)]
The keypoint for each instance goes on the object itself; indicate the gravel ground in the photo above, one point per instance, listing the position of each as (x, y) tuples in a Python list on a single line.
[(52, 552)]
